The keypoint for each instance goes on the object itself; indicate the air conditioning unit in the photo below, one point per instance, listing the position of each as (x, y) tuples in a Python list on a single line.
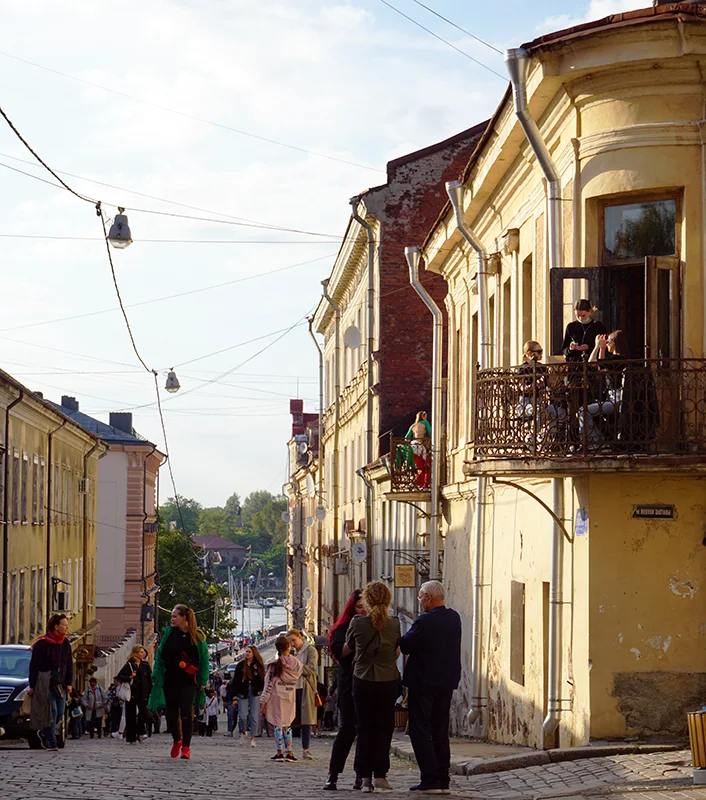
[(84, 485)]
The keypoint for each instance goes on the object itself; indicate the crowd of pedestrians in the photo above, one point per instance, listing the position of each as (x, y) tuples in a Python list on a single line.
[(365, 642)]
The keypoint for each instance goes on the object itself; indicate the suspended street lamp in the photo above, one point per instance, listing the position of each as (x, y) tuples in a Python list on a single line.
[(172, 385), (119, 235)]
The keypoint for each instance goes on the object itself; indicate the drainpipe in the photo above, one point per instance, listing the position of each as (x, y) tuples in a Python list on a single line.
[(517, 62), (84, 587), (144, 522), (336, 436), (319, 527), (4, 631), (454, 189), (50, 493), (370, 324), (413, 256)]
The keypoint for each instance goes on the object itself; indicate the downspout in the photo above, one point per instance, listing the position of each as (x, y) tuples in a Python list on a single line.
[(4, 631), (50, 487), (454, 189), (517, 62), (336, 443), (84, 554), (413, 256), (370, 323), (144, 522), (319, 527)]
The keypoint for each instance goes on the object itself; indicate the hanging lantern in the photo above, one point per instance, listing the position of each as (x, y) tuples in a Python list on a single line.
[(172, 385), (119, 235)]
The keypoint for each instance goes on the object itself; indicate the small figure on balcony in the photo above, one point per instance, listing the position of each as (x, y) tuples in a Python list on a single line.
[(580, 335), (418, 435), (538, 393)]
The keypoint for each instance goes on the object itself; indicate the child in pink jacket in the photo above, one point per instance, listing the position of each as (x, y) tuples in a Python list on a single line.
[(278, 698)]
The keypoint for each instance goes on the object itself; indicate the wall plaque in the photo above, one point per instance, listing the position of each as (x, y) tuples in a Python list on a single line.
[(405, 576), (653, 512)]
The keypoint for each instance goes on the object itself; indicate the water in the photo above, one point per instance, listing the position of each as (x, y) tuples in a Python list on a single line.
[(254, 619)]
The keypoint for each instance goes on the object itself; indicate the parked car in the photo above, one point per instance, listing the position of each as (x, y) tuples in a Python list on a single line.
[(14, 684)]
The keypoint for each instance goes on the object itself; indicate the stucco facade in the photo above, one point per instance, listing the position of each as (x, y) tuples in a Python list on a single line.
[(620, 105)]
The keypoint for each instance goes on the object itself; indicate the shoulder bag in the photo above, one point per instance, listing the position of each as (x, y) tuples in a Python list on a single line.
[(123, 692)]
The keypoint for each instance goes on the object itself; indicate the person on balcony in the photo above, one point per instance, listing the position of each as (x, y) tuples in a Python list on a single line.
[(580, 335), (536, 393), (418, 435)]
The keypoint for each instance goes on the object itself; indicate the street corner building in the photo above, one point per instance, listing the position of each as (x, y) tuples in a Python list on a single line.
[(125, 540), (566, 515), (48, 502)]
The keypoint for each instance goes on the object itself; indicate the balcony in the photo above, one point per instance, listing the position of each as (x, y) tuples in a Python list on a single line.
[(410, 468), (591, 412)]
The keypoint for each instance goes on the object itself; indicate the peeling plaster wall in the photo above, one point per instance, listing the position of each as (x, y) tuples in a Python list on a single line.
[(647, 605)]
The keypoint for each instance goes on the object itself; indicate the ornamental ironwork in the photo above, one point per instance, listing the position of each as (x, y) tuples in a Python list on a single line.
[(592, 409), (410, 464)]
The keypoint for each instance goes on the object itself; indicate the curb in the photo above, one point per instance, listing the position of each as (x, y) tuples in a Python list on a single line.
[(485, 766)]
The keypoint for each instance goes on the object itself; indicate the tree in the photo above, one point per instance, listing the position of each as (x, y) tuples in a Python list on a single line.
[(185, 513), (184, 579)]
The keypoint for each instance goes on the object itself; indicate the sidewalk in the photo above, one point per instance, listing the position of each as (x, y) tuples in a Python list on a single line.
[(473, 757)]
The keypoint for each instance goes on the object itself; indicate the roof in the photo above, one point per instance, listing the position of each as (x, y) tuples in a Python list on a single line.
[(108, 433), (216, 543)]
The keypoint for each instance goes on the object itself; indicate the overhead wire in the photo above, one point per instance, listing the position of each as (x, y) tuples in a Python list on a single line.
[(441, 39), (458, 27), (187, 115)]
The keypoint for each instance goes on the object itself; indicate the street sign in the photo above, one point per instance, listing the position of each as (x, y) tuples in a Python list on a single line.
[(405, 576), (653, 512)]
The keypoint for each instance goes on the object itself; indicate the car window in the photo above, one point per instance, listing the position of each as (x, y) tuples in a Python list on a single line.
[(15, 664)]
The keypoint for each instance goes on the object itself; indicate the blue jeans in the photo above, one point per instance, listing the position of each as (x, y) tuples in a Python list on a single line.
[(58, 707), (232, 714), (249, 710)]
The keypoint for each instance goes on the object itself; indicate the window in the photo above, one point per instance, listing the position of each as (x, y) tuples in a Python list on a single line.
[(634, 230), (345, 469), (13, 608), (507, 323), (527, 300), (65, 496), (21, 606), (42, 490), (33, 601), (25, 487), (35, 490), (16, 487), (77, 597), (41, 595), (517, 632)]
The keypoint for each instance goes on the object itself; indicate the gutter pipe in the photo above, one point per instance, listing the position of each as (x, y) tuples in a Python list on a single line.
[(413, 256), (4, 631), (455, 191), (517, 62), (84, 549), (336, 435), (319, 527), (370, 323)]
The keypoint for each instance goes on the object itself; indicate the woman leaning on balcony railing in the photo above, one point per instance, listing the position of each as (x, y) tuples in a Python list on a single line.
[(537, 391)]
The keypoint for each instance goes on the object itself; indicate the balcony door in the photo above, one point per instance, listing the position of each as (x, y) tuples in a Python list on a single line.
[(662, 307)]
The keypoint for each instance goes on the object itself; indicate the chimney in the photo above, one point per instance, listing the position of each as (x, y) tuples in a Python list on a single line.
[(40, 395), (122, 420), (69, 403)]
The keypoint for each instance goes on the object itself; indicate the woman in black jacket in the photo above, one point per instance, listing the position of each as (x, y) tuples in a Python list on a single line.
[(249, 680), (346, 717), (137, 673)]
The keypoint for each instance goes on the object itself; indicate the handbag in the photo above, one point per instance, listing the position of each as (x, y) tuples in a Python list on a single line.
[(26, 707), (318, 702), (76, 712), (123, 692)]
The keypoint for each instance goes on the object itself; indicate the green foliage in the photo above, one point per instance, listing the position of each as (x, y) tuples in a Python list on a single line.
[(190, 511), (184, 580)]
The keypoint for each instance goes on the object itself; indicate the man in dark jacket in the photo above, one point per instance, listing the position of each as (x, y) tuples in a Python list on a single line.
[(432, 672)]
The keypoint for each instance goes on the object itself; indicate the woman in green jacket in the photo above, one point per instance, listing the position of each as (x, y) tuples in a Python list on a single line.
[(179, 677)]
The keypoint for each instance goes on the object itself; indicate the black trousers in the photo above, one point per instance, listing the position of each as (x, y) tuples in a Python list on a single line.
[(180, 711), (134, 720), (375, 723), (94, 722), (429, 733), (116, 713), (345, 737)]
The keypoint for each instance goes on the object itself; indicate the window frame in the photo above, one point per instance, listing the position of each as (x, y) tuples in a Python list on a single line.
[(631, 199)]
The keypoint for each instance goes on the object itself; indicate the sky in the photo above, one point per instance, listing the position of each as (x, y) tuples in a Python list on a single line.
[(176, 100)]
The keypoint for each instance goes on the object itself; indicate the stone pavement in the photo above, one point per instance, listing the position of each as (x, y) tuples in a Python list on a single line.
[(223, 768)]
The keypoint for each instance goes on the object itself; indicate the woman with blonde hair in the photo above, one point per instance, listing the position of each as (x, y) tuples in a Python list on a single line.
[(179, 676), (374, 641), (419, 431), (136, 673)]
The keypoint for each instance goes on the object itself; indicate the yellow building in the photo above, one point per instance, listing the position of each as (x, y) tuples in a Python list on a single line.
[(590, 181), (49, 538)]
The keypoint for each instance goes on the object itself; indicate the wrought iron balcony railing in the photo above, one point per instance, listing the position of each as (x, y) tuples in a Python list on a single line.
[(589, 410), (410, 464)]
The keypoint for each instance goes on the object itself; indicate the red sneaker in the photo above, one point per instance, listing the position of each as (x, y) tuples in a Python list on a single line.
[(176, 748), (186, 752)]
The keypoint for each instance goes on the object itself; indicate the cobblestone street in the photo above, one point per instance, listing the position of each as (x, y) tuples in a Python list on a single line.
[(223, 768)]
